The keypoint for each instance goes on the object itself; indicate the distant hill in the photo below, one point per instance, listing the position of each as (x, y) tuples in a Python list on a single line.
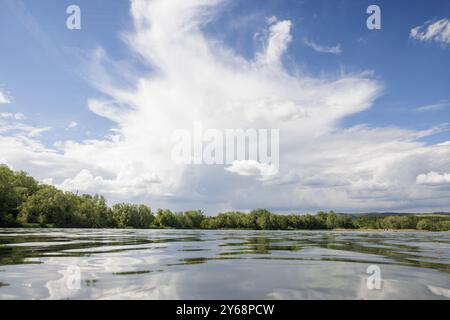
[(388, 214)]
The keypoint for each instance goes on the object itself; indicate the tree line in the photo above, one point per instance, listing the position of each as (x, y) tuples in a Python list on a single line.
[(26, 203)]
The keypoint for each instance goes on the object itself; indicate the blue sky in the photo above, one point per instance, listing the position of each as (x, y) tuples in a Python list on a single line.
[(414, 74), (44, 69)]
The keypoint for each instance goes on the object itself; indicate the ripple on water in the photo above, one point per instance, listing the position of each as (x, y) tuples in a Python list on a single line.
[(174, 264)]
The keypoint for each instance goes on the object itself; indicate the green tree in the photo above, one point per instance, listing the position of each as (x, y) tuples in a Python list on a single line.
[(132, 216), (48, 206), (425, 224), (15, 188), (194, 219), (332, 221), (92, 212), (165, 219)]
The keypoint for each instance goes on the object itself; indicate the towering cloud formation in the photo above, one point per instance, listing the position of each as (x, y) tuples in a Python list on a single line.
[(192, 78)]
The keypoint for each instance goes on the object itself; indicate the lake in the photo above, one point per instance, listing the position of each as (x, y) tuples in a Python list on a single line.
[(174, 264)]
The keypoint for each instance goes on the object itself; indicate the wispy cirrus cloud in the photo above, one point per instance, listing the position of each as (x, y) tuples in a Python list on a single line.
[(434, 106), (438, 31), (20, 129), (337, 49), (10, 115)]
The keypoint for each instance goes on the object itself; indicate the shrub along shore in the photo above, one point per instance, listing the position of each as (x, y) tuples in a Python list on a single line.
[(26, 203)]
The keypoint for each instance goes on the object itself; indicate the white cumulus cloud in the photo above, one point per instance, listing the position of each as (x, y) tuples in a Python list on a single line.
[(4, 97), (251, 168), (72, 125), (433, 178), (279, 37)]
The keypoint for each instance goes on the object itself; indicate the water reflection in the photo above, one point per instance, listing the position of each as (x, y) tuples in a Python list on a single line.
[(166, 264)]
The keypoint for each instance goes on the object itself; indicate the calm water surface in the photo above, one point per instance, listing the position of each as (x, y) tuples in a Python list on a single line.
[(162, 264)]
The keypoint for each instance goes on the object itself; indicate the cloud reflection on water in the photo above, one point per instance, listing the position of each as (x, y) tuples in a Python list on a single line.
[(166, 264)]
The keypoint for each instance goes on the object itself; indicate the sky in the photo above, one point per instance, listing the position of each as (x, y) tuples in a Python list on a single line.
[(363, 115)]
